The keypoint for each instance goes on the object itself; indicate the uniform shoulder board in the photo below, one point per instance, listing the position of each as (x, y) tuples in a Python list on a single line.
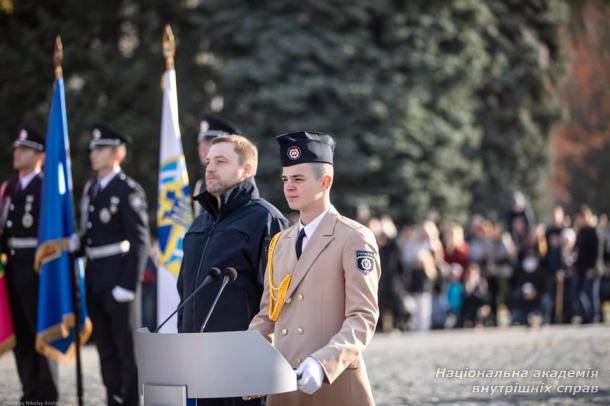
[(349, 223), (132, 183)]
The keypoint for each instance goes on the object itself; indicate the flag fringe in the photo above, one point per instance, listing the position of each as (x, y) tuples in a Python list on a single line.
[(49, 251), (59, 331)]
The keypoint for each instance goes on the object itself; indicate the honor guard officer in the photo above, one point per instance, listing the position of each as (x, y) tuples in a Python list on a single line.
[(319, 307), (20, 205), (209, 128), (116, 243)]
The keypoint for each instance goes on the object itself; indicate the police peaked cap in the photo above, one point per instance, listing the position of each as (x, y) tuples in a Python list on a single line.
[(305, 146), (212, 127), (104, 136), (28, 137)]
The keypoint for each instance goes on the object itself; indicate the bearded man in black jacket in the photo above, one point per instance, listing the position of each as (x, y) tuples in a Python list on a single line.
[(234, 230)]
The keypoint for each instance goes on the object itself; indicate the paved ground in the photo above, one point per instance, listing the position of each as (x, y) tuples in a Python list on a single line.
[(443, 368), (425, 369)]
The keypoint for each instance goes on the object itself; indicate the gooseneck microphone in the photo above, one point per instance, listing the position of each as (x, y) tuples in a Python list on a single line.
[(212, 275), (229, 275)]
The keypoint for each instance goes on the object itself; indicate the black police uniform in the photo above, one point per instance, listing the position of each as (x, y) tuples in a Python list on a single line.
[(20, 215), (234, 233), (210, 127), (116, 244)]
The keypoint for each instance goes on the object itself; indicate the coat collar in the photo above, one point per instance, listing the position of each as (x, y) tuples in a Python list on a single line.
[(32, 184), (233, 198), (116, 178), (323, 229), (323, 236)]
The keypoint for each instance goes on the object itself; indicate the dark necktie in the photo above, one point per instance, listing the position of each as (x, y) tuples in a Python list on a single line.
[(299, 246), (95, 189), (18, 188)]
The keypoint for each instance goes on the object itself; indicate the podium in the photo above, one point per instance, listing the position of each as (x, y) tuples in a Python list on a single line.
[(174, 367)]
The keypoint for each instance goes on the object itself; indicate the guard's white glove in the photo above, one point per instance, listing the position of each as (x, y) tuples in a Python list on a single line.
[(122, 295), (312, 375), (74, 243)]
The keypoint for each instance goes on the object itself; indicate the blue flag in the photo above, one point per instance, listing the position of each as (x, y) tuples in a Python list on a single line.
[(56, 321)]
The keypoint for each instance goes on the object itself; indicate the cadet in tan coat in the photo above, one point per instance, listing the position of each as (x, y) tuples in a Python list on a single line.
[(319, 307)]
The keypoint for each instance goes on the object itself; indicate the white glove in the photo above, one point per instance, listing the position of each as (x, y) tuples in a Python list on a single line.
[(74, 243), (122, 295), (312, 375)]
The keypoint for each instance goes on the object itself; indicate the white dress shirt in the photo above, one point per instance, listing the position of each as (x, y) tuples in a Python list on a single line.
[(311, 227), (25, 181), (106, 179)]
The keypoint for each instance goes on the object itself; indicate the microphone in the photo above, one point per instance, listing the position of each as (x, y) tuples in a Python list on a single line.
[(212, 275), (229, 275)]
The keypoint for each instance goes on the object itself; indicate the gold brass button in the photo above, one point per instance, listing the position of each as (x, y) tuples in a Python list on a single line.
[(299, 360), (300, 296), (284, 331), (299, 331)]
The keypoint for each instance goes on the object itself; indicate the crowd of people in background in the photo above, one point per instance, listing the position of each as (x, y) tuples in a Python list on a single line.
[(496, 272)]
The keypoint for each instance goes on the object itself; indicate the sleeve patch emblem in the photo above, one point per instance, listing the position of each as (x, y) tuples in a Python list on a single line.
[(136, 202), (365, 261)]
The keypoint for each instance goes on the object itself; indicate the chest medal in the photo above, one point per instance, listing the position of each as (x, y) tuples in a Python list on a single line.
[(105, 215), (27, 220)]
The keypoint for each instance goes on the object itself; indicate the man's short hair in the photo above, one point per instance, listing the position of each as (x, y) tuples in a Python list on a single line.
[(246, 151), (321, 168)]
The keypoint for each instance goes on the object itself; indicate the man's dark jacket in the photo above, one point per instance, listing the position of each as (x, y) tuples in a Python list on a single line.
[(234, 231), (587, 246)]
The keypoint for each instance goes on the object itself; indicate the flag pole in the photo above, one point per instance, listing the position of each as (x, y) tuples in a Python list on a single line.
[(174, 208), (58, 55), (169, 47)]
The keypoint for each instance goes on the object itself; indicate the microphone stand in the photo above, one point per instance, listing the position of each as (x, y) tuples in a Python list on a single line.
[(213, 275), (230, 274)]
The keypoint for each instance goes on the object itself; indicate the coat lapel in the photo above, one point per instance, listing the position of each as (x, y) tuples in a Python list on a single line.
[(318, 243), (287, 258), (19, 195), (105, 190), (31, 187)]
